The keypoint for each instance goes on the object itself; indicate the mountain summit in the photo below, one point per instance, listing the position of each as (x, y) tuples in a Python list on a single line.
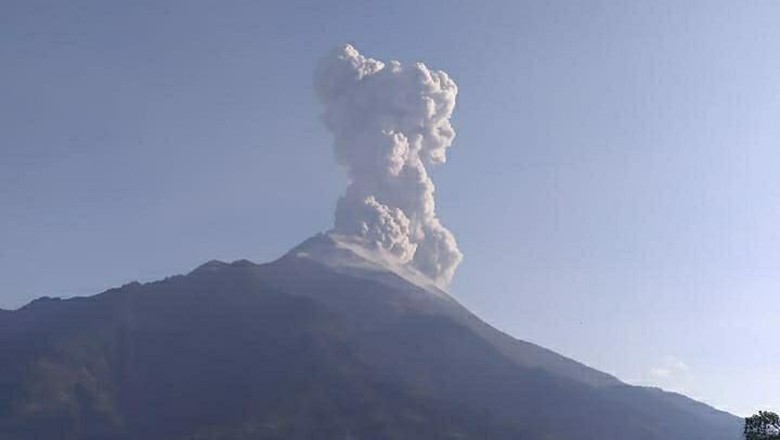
[(330, 341)]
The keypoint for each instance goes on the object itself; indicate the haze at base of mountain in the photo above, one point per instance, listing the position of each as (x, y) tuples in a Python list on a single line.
[(323, 343)]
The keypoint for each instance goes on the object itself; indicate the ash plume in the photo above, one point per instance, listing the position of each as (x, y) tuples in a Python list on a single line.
[(389, 122)]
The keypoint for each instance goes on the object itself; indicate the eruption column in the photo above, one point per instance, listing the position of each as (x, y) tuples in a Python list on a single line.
[(390, 122)]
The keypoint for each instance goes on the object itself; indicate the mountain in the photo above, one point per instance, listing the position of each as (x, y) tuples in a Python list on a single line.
[(330, 341)]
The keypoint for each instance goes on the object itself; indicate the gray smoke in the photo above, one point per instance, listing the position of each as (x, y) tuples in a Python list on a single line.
[(389, 122)]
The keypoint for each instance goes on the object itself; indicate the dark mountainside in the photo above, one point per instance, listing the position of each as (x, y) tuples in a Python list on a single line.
[(302, 349)]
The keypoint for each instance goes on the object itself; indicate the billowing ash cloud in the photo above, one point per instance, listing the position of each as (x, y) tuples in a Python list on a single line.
[(390, 121)]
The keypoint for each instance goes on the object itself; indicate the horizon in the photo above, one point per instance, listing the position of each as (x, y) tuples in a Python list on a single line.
[(612, 185)]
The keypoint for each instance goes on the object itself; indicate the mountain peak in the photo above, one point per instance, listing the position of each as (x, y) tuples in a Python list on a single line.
[(210, 266), (361, 257)]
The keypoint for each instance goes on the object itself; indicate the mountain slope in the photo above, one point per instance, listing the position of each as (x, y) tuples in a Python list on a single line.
[(421, 296), (322, 343)]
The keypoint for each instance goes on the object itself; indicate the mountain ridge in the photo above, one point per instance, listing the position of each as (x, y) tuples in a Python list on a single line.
[(278, 344)]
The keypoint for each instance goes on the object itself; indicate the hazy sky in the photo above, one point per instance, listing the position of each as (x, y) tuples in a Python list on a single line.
[(613, 186)]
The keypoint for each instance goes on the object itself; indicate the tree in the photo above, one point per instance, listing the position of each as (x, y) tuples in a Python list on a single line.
[(762, 426)]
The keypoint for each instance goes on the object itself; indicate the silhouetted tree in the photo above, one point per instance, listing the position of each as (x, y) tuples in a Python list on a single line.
[(762, 426)]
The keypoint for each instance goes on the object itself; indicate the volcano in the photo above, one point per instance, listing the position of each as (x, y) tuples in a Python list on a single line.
[(331, 341)]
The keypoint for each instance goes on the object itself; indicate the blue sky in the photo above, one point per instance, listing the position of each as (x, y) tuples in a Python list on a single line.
[(613, 185)]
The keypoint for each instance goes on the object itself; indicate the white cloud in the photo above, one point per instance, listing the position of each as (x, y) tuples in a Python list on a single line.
[(669, 373), (670, 368)]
